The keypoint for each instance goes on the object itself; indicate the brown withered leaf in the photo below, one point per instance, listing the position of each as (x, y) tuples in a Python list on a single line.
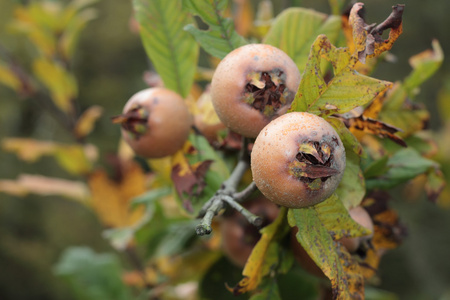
[(188, 179), (367, 38), (389, 232), (375, 127)]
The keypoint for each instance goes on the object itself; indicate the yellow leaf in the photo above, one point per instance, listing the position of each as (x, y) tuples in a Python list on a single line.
[(45, 186), (243, 16), (111, 198), (60, 83), (41, 37), (85, 123), (76, 159), (28, 149), (256, 266), (73, 159), (8, 78)]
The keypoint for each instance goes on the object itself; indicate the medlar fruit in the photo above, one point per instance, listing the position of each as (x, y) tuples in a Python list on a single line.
[(361, 216), (253, 85), (297, 160), (155, 122)]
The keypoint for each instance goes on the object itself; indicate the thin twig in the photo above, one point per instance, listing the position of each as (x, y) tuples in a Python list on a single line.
[(253, 219), (245, 193), (227, 194)]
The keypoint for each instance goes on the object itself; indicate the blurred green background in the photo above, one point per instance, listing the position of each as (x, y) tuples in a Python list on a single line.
[(109, 65)]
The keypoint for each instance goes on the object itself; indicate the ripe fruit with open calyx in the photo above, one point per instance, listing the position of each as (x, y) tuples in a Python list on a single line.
[(155, 122), (253, 85), (298, 160), (361, 216)]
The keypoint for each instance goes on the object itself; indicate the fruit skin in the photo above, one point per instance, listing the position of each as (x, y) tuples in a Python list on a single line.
[(281, 176), (244, 66), (239, 236), (167, 125), (361, 216)]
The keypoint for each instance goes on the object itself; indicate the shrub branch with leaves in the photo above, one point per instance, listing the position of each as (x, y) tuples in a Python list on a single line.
[(160, 213)]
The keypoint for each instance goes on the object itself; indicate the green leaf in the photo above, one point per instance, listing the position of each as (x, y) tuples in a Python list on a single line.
[(268, 291), (319, 245), (61, 84), (352, 188), (176, 238), (92, 276), (347, 90), (336, 6), (348, 139), (173, 52), (335, 218), (220, 38), (425, 64), (318, 226), (295, 29), (404, 165), (150, 197), (377, 167)]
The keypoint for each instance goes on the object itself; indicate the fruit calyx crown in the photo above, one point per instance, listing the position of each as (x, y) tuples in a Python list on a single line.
[(266, 91)]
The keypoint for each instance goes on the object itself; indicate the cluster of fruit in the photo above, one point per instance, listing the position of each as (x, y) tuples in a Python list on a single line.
[(297, 158)]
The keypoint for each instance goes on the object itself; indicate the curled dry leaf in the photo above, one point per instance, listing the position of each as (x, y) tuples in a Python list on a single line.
[(187, 178), (372, 126), (389, 232), (367, 38)]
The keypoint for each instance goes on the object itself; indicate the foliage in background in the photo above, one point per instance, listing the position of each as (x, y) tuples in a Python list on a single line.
[(149, 214)]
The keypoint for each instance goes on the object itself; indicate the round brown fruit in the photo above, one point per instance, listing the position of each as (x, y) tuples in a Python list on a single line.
[(253, 85), (361, 216), (239, 236), (155, 122), (298, 160)]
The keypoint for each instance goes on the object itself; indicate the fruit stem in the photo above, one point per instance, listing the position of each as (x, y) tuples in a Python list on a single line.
[(227, 194), (245, 193), (253, 219)]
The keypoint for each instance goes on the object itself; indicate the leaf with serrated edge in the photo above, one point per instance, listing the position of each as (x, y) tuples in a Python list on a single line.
[(173, 52), (316, 226), (345, 91), (352, 188), (221, 37)]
